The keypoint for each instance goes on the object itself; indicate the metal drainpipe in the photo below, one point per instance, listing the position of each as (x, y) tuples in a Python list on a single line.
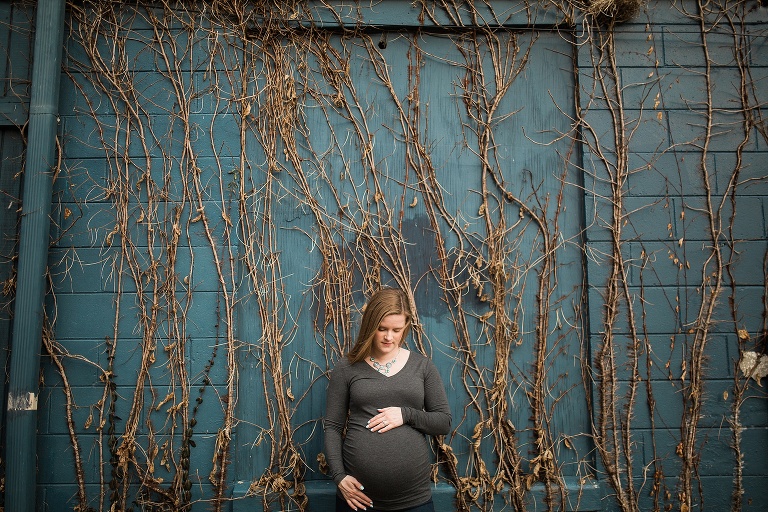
[(34, 240)]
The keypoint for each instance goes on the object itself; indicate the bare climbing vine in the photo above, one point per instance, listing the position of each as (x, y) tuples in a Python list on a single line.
[(255, 115), (619, 402)]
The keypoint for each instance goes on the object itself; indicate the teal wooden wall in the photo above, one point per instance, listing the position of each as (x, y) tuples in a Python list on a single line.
[(689, 169), (234, 184)]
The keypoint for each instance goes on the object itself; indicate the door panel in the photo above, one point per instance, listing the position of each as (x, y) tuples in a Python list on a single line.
[(441, 164)]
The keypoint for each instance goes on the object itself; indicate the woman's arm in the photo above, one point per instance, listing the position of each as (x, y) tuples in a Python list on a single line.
[(435, 419), (336, 408), (336, 411)]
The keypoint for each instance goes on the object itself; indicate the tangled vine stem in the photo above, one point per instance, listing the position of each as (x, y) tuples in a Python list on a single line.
[(255, 116), (614, 435)]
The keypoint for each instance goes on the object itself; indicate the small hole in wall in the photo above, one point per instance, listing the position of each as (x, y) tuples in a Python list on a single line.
[(383, 40)]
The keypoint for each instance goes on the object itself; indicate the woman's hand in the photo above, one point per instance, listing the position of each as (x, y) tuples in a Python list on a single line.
[(352, 490), (387, 419)]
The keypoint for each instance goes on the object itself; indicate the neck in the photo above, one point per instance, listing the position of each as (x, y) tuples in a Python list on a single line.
[(379, 358)]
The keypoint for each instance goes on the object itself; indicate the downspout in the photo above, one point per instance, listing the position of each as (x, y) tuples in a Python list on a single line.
[(34, 240)]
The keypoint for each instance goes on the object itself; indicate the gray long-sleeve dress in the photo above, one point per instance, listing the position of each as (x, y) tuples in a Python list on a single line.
[(393, 466)]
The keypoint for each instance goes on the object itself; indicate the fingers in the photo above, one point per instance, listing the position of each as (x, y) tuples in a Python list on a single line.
[(357, 504), (353, 494), (387, 419), (379, 423)]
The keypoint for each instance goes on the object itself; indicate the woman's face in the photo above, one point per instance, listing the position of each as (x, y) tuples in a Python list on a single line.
[(389, 334)]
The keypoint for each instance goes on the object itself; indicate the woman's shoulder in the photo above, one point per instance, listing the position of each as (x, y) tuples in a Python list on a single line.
[(344, 367), (339, 368), (420, 360), (417, 357), (341, 365)]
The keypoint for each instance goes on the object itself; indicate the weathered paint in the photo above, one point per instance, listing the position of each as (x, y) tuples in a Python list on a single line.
[(23, 402)]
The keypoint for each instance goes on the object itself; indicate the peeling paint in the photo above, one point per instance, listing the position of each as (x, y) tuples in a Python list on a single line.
[(754, 365), (26, 402)]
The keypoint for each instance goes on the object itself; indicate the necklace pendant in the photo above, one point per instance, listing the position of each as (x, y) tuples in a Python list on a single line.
[(384, 368)]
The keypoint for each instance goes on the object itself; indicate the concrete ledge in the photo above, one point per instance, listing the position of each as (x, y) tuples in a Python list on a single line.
[(586, 497)]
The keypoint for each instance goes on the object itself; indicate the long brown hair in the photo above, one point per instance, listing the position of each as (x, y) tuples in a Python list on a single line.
[(385, 302)]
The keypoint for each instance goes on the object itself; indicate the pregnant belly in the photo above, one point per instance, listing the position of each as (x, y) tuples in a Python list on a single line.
[(391, 465)]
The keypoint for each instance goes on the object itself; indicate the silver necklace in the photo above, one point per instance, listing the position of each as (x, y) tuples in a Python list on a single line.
[(384, 368)]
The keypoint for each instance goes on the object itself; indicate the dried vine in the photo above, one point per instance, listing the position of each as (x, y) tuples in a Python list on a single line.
[(257, 138), (613, 431)]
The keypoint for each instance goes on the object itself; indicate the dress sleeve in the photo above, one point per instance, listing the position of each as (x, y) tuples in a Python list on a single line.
[(336, 410), (435, 419)]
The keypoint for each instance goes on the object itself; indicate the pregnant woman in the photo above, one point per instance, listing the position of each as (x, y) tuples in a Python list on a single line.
[(388, 398)]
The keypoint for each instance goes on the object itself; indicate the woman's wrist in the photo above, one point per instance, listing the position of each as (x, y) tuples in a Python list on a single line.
[(405, 412)]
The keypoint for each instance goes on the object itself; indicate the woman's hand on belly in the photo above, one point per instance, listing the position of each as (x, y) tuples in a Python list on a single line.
[(352, 490), (387, 419)]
